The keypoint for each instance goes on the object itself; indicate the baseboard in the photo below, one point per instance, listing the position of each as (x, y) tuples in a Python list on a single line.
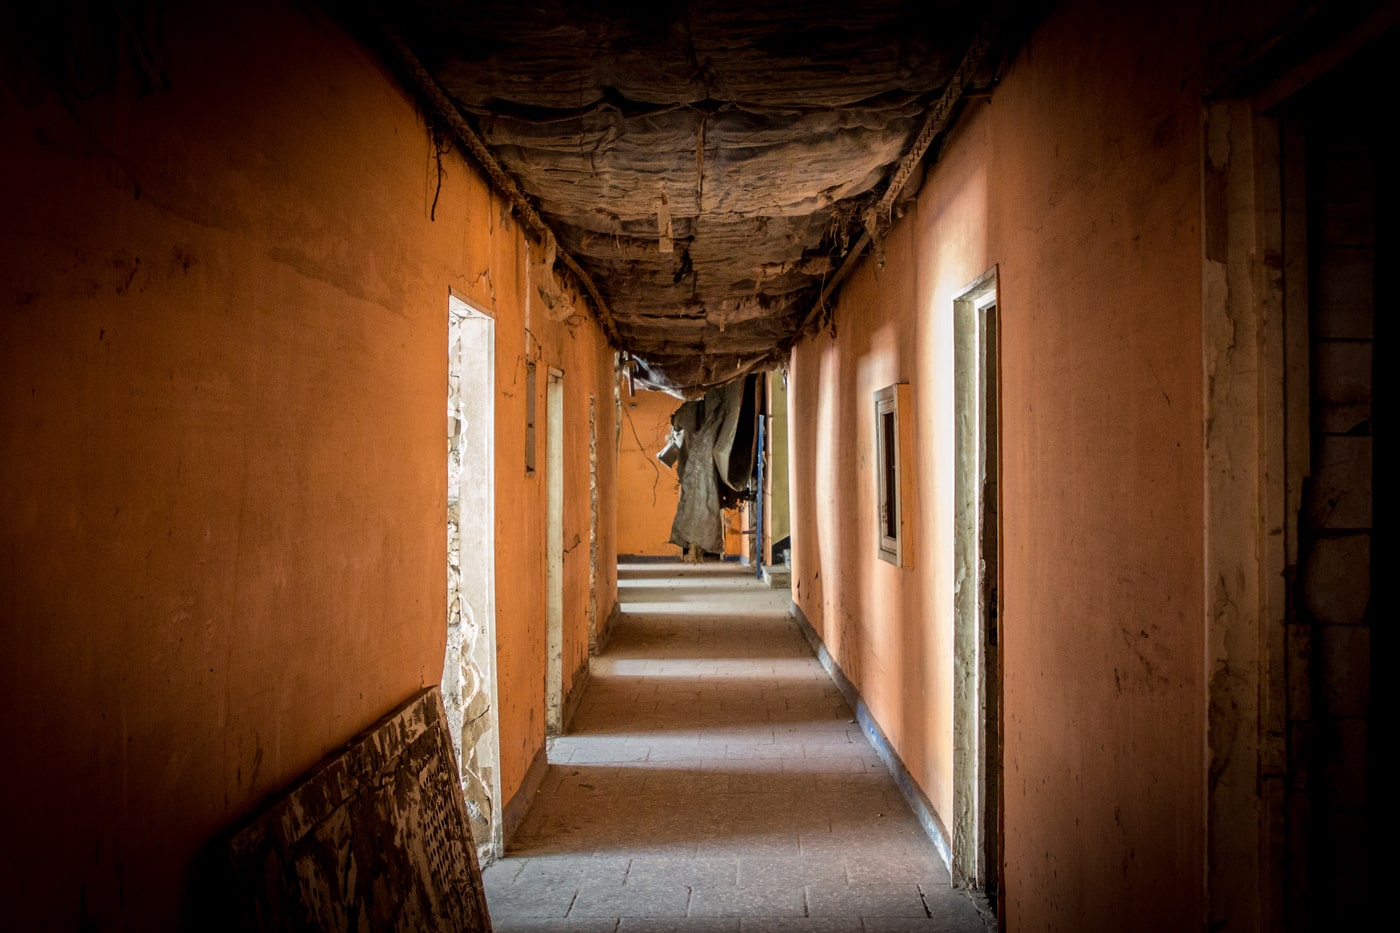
[(604, 634), (923, 808), (577, 686), (515, 810)]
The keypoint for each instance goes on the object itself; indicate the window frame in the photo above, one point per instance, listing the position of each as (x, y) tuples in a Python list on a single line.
[(892, 472)]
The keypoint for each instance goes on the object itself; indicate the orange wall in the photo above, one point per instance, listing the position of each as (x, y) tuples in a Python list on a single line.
[(1080, 180), (554, 338), (647, 488), (222, 409)]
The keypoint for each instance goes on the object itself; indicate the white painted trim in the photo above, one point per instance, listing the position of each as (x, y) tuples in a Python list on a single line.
[(554, 552), (488, 749), (974, 652)]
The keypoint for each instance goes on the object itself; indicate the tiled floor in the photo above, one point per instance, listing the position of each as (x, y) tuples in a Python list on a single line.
[(713, 780)]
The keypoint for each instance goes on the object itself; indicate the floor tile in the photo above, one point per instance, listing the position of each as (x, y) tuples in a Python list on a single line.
[(516, 902), (528, 925), (865, 900), (687, 925), (752, 901), (967, 923), (633, 900), (691, 872), (797, 872), (715, 781), (568, 870), (801, 925), (891, 869)]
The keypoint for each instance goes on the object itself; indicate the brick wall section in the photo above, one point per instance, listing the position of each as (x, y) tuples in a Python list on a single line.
[(1333, 620)]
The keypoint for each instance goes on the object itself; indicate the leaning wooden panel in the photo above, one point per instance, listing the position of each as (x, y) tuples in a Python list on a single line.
[(376, 838)]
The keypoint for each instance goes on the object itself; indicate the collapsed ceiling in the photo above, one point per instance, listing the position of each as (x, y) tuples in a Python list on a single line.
[(705, 167)]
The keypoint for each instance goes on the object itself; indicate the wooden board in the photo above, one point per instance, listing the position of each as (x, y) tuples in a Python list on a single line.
[(375, 838)]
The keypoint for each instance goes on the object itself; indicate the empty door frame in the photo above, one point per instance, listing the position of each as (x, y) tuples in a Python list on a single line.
[(554, 553), (592, 525), (976, 588), (469, 665)]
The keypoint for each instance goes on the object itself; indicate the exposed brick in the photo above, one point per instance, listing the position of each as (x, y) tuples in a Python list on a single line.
[(1299, 819), (1299, 647), (1343, 659), (1340, 492), (1347, 202), (1300, 753), (1336, 578), (1344, 767), (1344, 279), (1341, 386), (1343, 873)]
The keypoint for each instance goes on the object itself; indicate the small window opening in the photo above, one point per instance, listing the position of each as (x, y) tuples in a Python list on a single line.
[(529, 419), (890, 452), (889, 508)]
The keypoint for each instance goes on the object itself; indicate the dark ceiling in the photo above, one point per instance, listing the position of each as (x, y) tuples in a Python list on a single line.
[(708, 165)]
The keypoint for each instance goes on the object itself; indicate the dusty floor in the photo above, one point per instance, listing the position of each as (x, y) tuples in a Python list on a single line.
[(713, 779)]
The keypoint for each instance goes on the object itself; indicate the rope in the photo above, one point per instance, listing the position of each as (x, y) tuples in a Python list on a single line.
[(445, 110), (877, 217)]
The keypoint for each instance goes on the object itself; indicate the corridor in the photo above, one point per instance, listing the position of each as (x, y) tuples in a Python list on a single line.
[(714, 779)]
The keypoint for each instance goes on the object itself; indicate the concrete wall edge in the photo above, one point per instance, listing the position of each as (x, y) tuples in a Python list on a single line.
[(605, 631), (518, 807), (577, 686)]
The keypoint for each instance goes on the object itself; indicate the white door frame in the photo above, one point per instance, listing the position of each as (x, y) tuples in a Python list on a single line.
[(976, 589), (554, 553), (469, 664)]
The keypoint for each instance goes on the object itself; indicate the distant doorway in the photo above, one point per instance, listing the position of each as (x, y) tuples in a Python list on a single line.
[(469, 667), (777, 529), (554, 553), (1339, 219), (592, 525), (976, 842)]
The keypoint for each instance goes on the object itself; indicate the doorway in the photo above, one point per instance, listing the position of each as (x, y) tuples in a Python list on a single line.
[(776, 515), (592, 525), (976, 844), (1339, 233), (554, 553), (469, 667)]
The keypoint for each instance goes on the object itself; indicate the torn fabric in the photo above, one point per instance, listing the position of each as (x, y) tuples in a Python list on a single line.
[(716, 437)]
